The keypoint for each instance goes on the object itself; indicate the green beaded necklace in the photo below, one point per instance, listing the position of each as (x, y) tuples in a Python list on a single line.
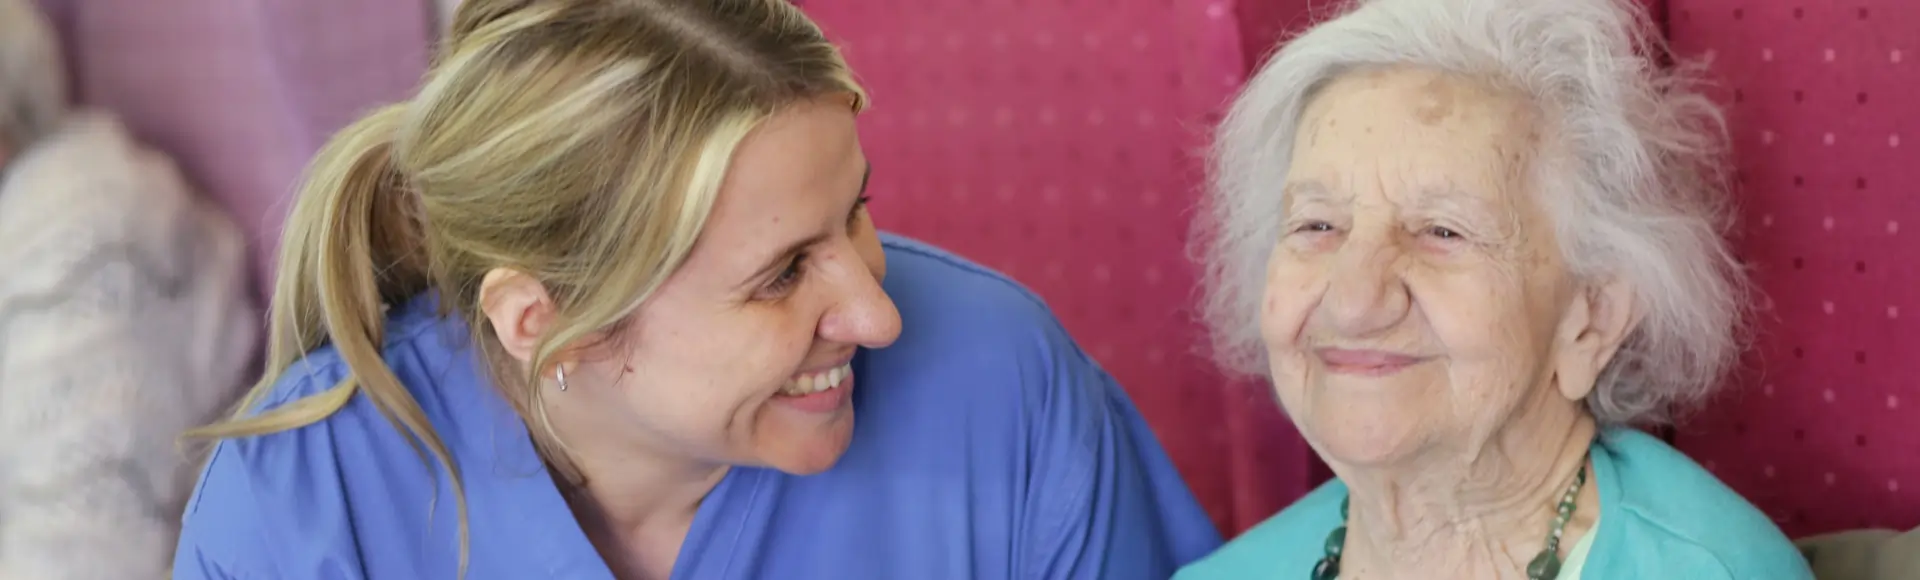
[(1543, 567)]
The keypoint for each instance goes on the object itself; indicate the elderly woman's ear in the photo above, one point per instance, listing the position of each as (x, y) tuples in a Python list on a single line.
[(1598, 320)]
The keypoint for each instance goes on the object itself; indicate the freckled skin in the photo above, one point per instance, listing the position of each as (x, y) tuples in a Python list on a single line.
[(1436, 101)]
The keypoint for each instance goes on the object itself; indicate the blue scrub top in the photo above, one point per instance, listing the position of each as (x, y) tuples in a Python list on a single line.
[(987, 446)]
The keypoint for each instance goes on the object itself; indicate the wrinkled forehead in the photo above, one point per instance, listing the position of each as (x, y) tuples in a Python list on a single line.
[(1427, 97), (1416, 135)]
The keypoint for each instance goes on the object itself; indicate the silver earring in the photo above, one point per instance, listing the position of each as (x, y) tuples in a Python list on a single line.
[(560, 374)]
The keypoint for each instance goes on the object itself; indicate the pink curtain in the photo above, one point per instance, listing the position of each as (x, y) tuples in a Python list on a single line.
[(1819, 428)]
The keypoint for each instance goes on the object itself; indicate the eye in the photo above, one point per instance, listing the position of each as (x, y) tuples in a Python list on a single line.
[(859, 205), (789, 278), (1314, 226), (1442, 233)]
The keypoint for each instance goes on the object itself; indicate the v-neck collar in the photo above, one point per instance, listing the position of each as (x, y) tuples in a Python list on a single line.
[(535, 534)]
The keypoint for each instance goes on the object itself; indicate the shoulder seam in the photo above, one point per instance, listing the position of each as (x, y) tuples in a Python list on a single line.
[(917, 248), (310, 371), (904, 245), (922, 249)]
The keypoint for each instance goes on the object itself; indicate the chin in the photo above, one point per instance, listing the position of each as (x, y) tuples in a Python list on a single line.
[(1356, 447), (1362, 435), (811, 450)]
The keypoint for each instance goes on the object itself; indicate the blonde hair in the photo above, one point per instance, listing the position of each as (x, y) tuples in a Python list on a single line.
[(581, 142)]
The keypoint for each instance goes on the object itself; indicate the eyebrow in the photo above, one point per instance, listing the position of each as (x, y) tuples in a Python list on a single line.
[(1432, 197), (1451, 198), (786, 255), (1307, 189)]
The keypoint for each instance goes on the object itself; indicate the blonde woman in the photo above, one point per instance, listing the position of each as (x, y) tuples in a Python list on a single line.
[(603, 301)]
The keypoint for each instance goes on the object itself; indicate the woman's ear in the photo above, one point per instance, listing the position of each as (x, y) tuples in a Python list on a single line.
[(1598, 321), (519, 309)]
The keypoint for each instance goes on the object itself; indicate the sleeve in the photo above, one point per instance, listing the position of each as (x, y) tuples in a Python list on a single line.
[(220, 535), (1106, 502), (192, 563), (272, 506)]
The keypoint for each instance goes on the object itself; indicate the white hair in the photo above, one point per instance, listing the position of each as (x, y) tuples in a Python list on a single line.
[(33, 81), (1633, 176)]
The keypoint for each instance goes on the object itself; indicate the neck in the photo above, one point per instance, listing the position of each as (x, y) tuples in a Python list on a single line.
[(637, 508), (629, 489), (1483, 510), (628, 496)]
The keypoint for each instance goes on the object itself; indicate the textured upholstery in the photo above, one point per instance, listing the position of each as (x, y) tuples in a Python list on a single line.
[(1820, 428)]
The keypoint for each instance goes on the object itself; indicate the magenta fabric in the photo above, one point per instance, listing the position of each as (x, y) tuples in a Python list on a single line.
[(1056, 140), (243, 92), (1820, 427), (1060, 141)]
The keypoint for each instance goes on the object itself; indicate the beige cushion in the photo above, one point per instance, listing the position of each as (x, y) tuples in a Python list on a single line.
[(1864, 555)]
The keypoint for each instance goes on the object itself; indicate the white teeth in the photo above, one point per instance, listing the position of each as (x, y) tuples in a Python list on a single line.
[(816, 382)]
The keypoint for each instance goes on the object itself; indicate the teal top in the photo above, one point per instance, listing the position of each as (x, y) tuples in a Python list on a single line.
[(1664, 517)]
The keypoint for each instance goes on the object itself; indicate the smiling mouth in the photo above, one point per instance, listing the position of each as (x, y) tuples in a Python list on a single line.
[(1372, 363), (810, 383)]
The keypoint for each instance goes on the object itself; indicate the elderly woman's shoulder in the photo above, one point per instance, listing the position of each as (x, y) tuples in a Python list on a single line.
[(1291, 542), (1666, 510)]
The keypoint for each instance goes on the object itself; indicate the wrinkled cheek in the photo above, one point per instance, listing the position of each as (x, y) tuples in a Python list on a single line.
[(1289, 376), (1283, 315), (1285, 306)]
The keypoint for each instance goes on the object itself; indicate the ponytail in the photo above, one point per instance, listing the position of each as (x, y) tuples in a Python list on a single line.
[(351, 246)]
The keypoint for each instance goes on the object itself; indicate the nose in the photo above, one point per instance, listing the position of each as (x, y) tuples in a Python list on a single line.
[(861, 313), (1365, 292)]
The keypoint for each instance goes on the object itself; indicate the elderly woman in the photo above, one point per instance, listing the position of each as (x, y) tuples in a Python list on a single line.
[(123, 321), (1472, 242)]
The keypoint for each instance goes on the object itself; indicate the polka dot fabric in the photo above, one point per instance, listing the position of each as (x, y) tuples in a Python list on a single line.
[(1820, 427), (1059, 141)]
